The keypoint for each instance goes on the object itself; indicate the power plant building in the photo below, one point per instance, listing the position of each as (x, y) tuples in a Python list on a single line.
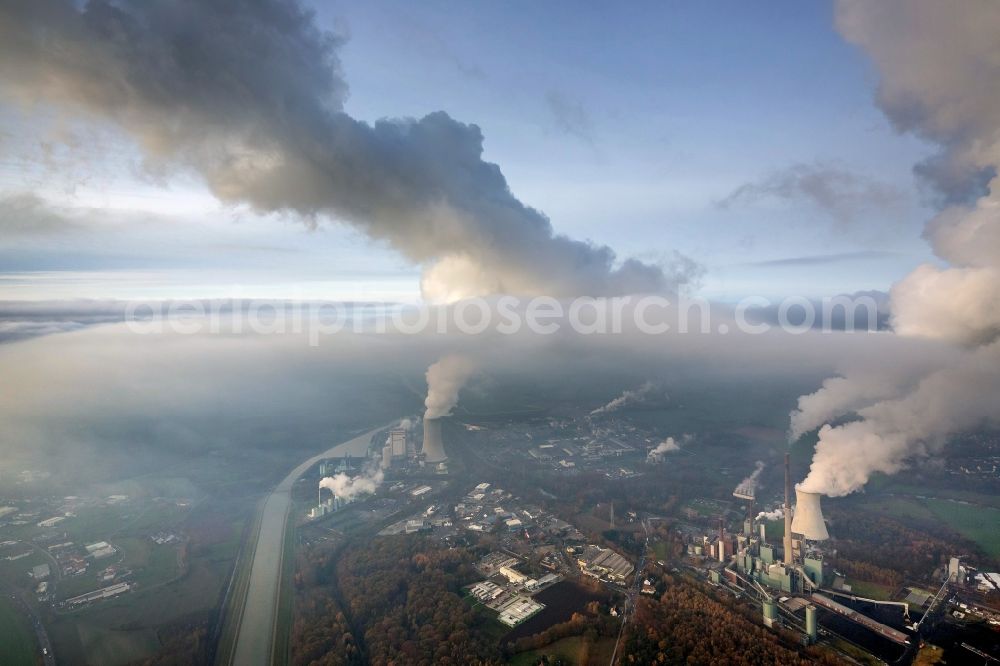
[(811, 628), (955, 573), (770, 613), (603, 562), (801, 567), (397, 442)]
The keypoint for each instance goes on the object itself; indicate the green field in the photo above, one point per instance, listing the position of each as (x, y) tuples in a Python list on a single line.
[(115, 648), (17, 644), (871, 590), (129, 625), (892, 486), (96, 523), (16, 572), (574, 650), (976, 523), (150, 563)]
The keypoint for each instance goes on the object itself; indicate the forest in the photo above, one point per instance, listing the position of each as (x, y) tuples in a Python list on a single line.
[(389, 601), (686, 625), (882, 549), (398, 601)]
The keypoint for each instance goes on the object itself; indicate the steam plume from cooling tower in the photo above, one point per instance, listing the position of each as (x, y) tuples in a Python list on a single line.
[(348, 487), (444, 380), (250, 97), (933, 58)]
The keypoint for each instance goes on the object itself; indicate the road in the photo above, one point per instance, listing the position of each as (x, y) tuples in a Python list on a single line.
[(631, 594), (258, 615), (21, 604)]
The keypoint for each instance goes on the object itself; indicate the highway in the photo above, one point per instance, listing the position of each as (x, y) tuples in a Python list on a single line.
[(21, 605), (258, 612)]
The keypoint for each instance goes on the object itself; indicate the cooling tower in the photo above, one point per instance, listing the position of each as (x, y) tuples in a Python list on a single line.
[(808, 520), (433, 448)]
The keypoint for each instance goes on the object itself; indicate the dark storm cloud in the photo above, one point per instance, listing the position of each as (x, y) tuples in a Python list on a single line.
[(842, 194), (250, 96)]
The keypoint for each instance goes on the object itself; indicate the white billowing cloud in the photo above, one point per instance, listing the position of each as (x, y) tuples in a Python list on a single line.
[(838, 396), (444, 380), (249, 96), (843, 395), (348, 487), (956, 304), (776, 514), (933, 58)]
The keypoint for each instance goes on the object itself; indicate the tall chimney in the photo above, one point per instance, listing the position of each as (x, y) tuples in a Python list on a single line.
[(788, 512), (433, 447)]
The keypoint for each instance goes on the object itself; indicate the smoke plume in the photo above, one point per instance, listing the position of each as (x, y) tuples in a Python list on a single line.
[(668, 445), (348, 487), (444, 380), (629, 397), (249, 96), (933, 58), (748, 486)]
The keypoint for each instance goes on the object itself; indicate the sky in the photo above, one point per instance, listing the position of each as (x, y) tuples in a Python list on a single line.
[(743, 138), (187, 149)]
